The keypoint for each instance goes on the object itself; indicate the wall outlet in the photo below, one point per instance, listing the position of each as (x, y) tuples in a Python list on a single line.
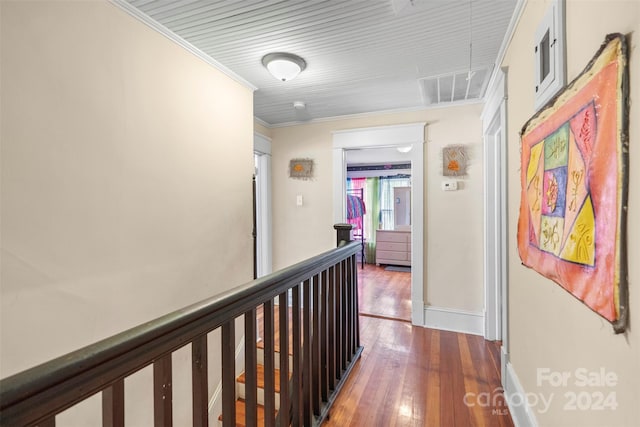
[(299, 200)]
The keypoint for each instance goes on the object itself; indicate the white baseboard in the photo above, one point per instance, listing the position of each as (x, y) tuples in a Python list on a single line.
[(504, 361), (513, 392), (449, 319), (215, 405)]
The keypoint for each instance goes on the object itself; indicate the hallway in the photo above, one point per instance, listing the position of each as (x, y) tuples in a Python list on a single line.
[(412, 376)]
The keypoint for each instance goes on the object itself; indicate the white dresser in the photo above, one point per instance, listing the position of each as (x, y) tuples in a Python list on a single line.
[(393, 247)]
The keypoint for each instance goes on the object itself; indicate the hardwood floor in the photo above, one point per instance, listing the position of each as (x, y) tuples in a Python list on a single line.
[(384, 293), (414, 376)]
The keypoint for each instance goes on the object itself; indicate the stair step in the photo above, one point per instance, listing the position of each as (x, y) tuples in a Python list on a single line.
[(260, 375), (241, 414)]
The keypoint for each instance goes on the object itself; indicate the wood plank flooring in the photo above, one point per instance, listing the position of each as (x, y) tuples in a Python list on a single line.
[(383, 293), (414, 376)]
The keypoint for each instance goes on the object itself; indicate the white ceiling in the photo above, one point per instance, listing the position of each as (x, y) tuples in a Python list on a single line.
[(362, 55)]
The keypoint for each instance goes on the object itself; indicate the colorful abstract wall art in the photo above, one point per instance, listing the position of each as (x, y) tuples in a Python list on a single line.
[(574, 176)]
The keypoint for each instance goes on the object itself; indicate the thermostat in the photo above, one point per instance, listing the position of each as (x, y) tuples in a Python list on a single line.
[(449, 185)]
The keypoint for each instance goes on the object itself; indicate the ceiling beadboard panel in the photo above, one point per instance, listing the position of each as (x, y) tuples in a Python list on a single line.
[(362, 56)]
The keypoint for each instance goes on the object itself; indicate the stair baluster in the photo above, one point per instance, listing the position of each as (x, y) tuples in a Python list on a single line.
[(251, 362)]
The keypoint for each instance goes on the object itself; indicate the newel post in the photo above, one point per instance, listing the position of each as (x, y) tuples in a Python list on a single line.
[(343, 232)]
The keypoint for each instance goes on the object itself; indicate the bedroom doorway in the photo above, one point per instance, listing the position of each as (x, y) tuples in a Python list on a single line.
[(389, 137), (378, 196)]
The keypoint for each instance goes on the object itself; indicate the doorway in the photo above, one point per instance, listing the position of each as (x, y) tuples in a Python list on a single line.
[(379, 208), (262, 204), (494, 119), (389, 137)]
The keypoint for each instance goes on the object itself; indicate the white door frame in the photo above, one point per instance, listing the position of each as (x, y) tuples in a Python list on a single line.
[(262, 147), (495, 212), (379, 137)]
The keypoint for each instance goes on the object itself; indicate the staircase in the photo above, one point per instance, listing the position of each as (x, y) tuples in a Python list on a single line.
[(323, 346), (322, 343), (241, 389)]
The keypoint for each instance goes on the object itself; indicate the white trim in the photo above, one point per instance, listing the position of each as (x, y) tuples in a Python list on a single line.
[(496, 94), (262, 122), (261, 143), (417, 230), (155, 25), (553, 24), (379, 136), (339, 184), (449, 319), (521, 415), (389, 136), (491, 217), (504, 361), (504, 224), (511, 30), (495, 214), (264, 232), (215, 404)]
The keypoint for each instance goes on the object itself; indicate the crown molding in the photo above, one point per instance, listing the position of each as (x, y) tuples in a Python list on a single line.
[(262, 122), (511, 29)]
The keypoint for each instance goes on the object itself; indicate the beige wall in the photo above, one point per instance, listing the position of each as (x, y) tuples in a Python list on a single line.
[(453, 239), (305, 231), (455, 219), (121, 200), (548, 328)]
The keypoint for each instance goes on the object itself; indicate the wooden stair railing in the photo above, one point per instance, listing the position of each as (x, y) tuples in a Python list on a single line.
[(324, 343)]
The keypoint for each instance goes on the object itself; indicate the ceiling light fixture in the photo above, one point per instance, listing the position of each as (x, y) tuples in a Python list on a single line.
[(283, 66), (405, 149)]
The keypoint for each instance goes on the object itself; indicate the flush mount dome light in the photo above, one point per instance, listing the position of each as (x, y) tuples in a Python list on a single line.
[(404, 149), (284, 66)]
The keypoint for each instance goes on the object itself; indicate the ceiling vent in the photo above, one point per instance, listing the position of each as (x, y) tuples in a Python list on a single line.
[(455, 87)]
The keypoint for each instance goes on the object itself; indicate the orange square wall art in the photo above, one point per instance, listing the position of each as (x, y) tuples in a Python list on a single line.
[(454, 160), (574, 185)]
